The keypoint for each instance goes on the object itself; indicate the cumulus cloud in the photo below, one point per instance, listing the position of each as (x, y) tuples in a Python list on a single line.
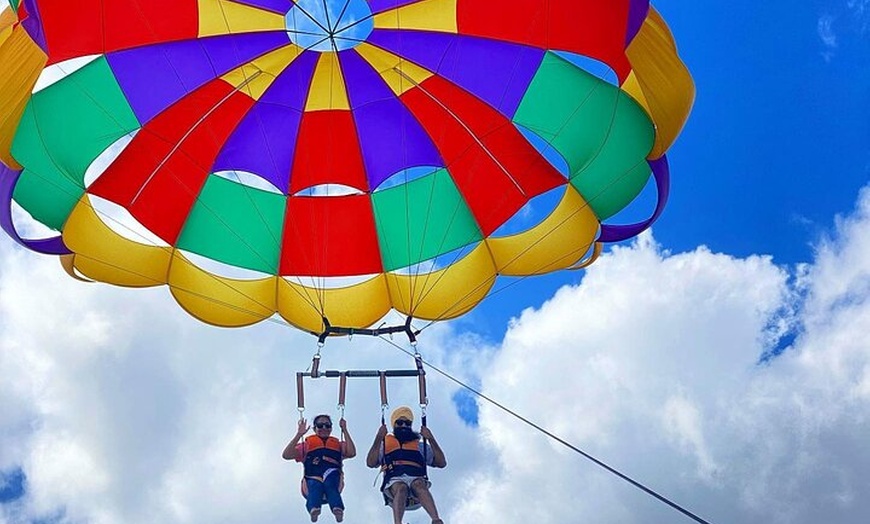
[(652, 364), (118, 408)]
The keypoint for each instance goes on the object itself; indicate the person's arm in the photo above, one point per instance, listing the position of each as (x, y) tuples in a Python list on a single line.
[(438, 458), (290, 450), (373, 454), (349, 447)]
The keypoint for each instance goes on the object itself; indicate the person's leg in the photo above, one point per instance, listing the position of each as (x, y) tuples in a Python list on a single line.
[(333, 495), (399, 491), (421, 491), (315, 498)]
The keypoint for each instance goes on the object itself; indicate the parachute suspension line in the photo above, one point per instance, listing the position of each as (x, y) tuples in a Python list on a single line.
[(586, 204), (207, 298), (597, 462), (308, 299), (130, 230), (245, 188), (189, 132), (332, 82), (426, 289), (216, 301), (319, 287), (417, 267), (596, 251), (168, 249), (465, 127)]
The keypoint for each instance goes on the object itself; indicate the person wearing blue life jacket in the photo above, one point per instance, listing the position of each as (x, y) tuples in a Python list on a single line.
[(403, 458), (322, 456)]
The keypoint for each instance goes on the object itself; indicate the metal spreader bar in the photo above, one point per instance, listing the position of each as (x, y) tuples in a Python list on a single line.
[(364, 373)]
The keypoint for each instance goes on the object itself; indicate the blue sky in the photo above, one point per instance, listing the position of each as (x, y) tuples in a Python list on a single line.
[(119, 408), (777, 143)]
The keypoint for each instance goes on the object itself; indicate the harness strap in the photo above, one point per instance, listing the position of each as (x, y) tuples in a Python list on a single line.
[(406, 463), (300, 395), (424, 402)]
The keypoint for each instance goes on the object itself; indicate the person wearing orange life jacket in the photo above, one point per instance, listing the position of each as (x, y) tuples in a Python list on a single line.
[(403, 458), (322, 456)]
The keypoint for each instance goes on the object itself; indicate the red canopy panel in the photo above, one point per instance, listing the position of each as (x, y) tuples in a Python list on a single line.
[(159, 175), (89, 27), (328, 152), (330, 236), (493, 165), (594, 28)]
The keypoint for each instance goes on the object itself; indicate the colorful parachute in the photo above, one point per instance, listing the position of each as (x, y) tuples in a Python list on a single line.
[(330, 158)]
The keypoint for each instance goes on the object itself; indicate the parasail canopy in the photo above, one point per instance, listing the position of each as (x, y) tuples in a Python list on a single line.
[(331, 159)]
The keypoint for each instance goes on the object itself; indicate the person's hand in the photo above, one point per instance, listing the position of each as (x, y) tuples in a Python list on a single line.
[(342, 424), (302, 428), (382, 431), (425, 433)]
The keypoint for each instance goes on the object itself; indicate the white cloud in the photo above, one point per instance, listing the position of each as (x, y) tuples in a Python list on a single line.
[(651, 364), (120, 409)]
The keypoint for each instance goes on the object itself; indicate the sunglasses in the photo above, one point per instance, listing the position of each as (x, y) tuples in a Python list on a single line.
[(322, 425), (402, 422)]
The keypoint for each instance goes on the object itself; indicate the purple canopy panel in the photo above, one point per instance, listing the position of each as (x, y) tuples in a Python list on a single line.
[(33, 24), (265, 141), (390, 137), (378, 6), (276, 6), (636, 16), (496, 72), (618, 233), (156, 76), (49, 246)]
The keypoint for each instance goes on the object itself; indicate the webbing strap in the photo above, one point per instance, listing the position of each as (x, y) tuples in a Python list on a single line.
[(300, 394)]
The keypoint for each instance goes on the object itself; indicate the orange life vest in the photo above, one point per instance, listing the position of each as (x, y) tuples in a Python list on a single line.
[(402, 458), (321, 455)]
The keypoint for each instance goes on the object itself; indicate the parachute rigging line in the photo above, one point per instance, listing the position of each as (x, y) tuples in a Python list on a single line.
[(611, 183), (597, 462)]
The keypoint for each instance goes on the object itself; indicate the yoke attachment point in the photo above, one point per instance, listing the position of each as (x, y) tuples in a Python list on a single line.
[(330, 330)]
